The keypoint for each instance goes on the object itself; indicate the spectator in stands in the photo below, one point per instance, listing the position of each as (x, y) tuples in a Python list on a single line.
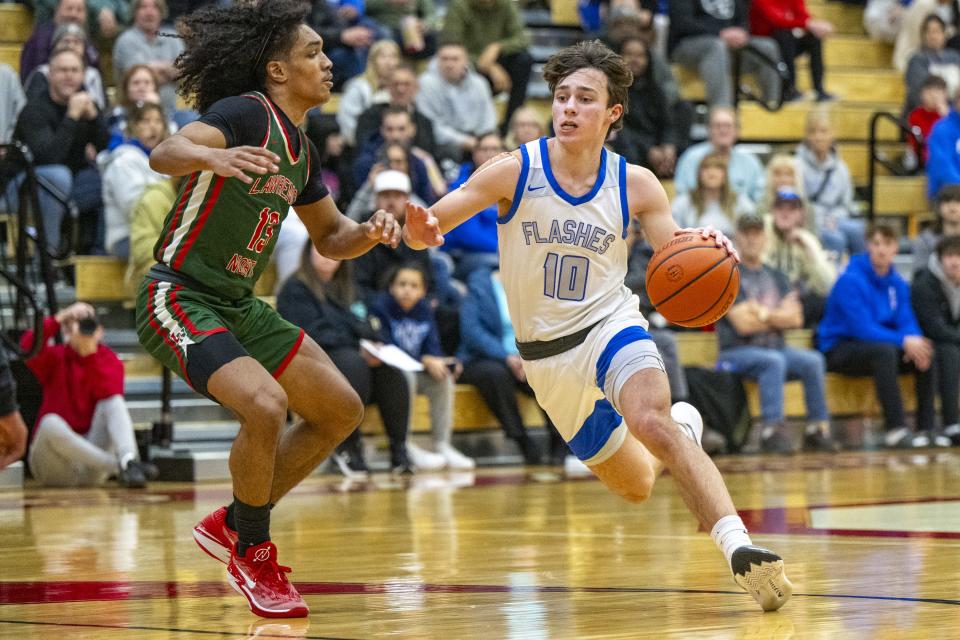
[(63, 130), (457, 100), (361, 92), (126, 174), (705, 35), (392, 190), (491, 362), (320, 297), (409, 322), (473, 244), (713, 203), (752, 345), (335, 158), (83, 432), (347, 37), (932, 58), (935, 293), (783, 171), (797, 33), (947, 223), (146, 224), (828, 187), (398, 128), (492, 32), (68, 36), (105, 16), (649, 136), (413, 24), (934, 105), (139, 86), (943, 145), (393, 156), (11, 102), (909, 38), (882, 19), (403, 89), (745, 170), (796, 251), (143, 44), (869, 329), (526, 125), (38, 47)]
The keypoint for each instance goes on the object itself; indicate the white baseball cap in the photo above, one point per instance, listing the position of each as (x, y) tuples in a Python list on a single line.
[(391, 180)]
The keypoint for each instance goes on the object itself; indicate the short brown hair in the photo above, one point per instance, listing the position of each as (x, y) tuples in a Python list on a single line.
[(884, 229), (948, 246), (161, 5), (592, 54)]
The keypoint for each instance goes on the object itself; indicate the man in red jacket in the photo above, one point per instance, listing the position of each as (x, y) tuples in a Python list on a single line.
[(789, 23), (83, 433)]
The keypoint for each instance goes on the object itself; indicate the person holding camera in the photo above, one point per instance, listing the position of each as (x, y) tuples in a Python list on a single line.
[(83, 433)]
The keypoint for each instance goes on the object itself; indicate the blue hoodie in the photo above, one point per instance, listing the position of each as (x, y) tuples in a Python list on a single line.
[(943, 167), (414, 331), (866, 307)]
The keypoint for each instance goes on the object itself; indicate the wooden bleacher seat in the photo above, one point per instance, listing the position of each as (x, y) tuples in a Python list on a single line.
[(16, 24)]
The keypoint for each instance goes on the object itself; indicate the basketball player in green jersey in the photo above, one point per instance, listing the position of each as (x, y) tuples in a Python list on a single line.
[(254, 70)]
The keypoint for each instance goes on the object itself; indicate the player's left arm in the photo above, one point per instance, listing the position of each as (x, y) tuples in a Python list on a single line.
[(648, 203), (338, 237)]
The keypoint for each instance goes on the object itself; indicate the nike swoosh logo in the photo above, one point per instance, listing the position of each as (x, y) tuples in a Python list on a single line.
[(532, 188), (250, 583)]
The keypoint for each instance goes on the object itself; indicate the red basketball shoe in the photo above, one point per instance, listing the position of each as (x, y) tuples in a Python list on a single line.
[(264, 583), (214, 536)]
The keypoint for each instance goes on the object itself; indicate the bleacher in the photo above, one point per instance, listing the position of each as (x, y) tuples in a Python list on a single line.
[(858, 71)]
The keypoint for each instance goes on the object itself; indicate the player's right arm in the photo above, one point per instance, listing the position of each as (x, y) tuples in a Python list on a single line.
[(493, 183), (201, 147)]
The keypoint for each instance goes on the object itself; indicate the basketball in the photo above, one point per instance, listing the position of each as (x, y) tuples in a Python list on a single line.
[(691, 281)]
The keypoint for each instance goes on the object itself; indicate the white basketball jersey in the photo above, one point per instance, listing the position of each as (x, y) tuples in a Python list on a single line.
[(563, 259)]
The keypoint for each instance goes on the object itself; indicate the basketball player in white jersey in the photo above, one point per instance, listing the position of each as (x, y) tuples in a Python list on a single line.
[(565, 204)]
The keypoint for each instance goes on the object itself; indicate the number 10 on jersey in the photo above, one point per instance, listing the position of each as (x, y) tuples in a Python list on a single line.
[(565, 277)]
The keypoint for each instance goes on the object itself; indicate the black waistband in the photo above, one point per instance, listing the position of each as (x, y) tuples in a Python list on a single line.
[(539, 349), (163, 273)]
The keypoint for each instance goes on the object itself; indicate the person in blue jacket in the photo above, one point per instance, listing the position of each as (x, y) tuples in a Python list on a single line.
[(492, 364), (943, 165), (473, 244), (869, 329)]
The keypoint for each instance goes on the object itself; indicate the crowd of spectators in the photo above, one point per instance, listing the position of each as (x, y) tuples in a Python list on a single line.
[(429, 93)]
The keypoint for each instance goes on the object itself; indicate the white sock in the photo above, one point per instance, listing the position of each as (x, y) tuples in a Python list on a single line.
[(730, 534)]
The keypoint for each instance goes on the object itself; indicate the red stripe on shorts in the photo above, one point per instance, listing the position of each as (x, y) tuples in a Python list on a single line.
[(187, 322), (162, 332), (286, 361), (198, 225)]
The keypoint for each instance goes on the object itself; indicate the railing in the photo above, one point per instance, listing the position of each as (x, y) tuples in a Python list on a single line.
[(874, 158), (744, 91)]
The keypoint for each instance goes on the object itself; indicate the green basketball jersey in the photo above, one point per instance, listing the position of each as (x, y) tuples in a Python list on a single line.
[(222, 231)]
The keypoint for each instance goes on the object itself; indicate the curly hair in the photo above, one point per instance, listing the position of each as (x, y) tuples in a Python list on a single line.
[(227, 48), (592, 54)]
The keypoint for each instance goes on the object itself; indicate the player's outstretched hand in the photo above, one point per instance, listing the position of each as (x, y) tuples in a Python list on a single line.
[(718, 236), (421, 229), (233, 162), (383, 227)]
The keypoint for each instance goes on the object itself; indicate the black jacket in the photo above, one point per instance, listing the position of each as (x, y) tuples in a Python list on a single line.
[(368, 129), (932, 309), (704, 18), (330, 325), (53, 138)]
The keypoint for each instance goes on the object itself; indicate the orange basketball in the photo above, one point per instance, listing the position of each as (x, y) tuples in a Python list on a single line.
[(691, 281)]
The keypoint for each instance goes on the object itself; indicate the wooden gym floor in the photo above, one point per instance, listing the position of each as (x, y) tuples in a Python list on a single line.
[(872, 542)]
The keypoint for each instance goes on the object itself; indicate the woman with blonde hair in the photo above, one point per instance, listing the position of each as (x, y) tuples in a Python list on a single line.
[(526, 125), (783, 172), (713, 202), (367, 89)]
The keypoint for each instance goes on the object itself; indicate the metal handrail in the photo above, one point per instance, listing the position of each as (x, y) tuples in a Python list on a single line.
[(874, 159), (741, 90)]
